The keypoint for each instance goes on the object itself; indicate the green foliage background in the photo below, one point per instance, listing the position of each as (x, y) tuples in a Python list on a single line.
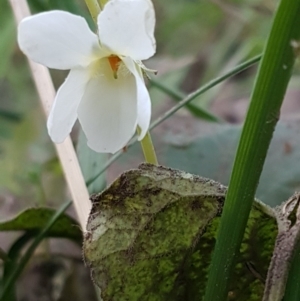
[(221, 33), (196, 41)]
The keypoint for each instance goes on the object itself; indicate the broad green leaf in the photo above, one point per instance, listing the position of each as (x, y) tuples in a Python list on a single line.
[(34, 219), (213, 156), (151, 235)]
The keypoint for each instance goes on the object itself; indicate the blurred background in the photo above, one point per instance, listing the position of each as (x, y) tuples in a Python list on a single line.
[(197, 40)]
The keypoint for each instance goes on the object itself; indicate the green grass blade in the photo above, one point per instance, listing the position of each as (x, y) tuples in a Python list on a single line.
[(29, 252), (267, 96), (13, 256)]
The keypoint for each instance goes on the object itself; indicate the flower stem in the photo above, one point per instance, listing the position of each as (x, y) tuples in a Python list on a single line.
[(94, 8), (102, 3), (148, 148)]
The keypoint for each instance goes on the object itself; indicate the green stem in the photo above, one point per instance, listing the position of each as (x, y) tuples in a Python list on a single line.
[(205, 88), (102, 3), (94, 9), (176, 95), (148, 148), (267, 96), (243, 66), (13, 254)]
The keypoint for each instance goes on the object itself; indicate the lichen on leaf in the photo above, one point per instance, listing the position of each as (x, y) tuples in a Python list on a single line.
[(150, 236)]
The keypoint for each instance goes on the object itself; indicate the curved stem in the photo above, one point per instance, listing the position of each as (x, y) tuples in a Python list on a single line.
[(29, 252)]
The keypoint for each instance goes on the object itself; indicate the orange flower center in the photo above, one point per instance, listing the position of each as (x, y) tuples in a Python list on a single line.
[(114, 62)]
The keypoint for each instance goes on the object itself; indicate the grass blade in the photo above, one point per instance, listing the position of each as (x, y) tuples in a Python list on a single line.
[(20, 266), (267, 96)]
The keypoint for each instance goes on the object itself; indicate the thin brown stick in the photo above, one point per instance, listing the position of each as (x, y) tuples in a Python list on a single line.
[(65, 150)]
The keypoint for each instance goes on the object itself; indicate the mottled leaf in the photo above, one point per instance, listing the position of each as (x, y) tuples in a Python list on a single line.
[(288, 218), (151, 235)]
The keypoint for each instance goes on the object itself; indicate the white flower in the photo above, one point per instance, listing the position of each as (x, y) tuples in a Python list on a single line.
[(105, 88)]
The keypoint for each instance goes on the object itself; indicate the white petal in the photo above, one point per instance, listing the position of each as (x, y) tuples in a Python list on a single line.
[(58, 40), (144, 102), (126, 27), (64, 110), (108, 110)]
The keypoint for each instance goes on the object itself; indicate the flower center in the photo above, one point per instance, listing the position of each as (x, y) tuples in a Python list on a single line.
[(114, 62)]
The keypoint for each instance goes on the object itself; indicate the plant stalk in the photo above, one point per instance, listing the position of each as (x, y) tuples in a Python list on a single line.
[(94, 9), (148, 148)]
